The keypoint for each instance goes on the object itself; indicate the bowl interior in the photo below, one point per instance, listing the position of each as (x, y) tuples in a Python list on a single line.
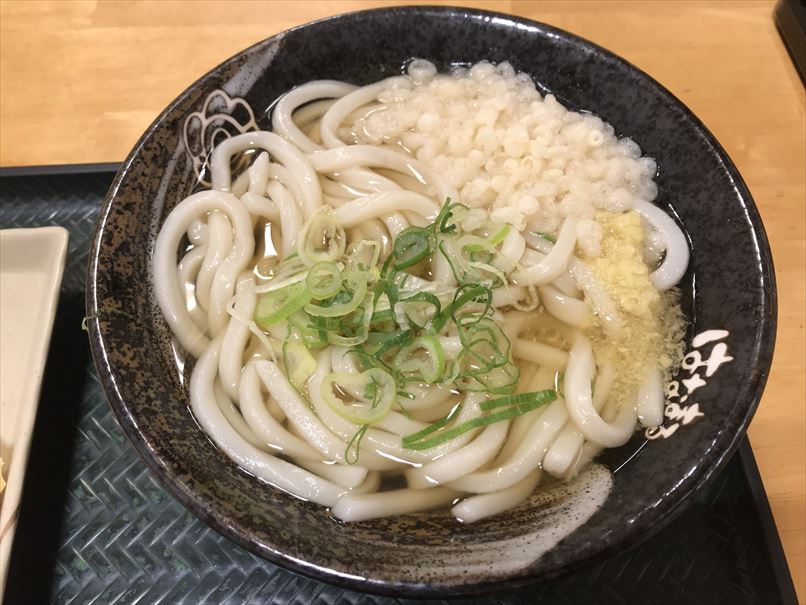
[(728, 288)]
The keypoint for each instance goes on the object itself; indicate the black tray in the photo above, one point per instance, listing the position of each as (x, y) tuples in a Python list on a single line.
[(96, 527)]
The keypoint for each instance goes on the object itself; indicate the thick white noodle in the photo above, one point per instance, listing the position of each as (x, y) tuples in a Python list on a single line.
[(481, 506), (186, 273), (345, 106), (567, 285), (572, 311), (567, 448), (589, 451), (258, 175), (356, 178), (555, 263), (598, 297), (279, 473), (353, 156), (651, 401), (380, 204), (425, 397), (299, 414), (526, 458), (350, 476), (236, 337), (512, 249), (537, 352), (509, 296), (290, 217), (379, 450), (370, 485), (219, 243), (394, 422), (364, 181), (382, 444), (676, 260), (542, 379), (462, 461), (307, 117), (260, 206), (169, 295), (197, 233), (281, 174), (265, 425), (280, 149), (281, 120), (240, 185), (234, 417), (436, 412), (362, 507), (577, 383)]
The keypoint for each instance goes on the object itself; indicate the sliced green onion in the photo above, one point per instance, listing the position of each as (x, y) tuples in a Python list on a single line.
[(348, 331), (299, 364), (399, 338), (544, 396), (391, 320), (447, 211), (420, 435), (546, 236), (465, 294), (342, 304), (498, 278), (381, 316), (453, 261), (424, 358), (404, 410), (354, 445), (278, 283), (387, 341), (277, 305), (417, 442), (413, 245), (345, 341), (482, 256), (322, 238), (499, 236), (324, 280), (497, 380), (485, 361), (363, 256), (559, 382), (373, 393), (471, 424), (314, 336), (422, 307), (474, 243)]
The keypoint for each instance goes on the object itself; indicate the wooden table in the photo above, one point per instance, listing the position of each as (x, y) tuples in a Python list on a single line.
[(82, 80)]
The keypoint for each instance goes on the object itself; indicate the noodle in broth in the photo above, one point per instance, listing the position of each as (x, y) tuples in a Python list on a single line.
[(433, 290)]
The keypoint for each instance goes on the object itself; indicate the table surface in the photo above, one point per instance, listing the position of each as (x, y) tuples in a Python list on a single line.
[(80, 81)]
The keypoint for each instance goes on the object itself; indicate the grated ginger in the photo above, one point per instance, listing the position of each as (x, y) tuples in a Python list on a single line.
[(621, 266), (653, 321)]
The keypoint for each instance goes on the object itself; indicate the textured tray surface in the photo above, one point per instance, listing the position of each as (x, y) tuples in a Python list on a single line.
[(96, 527)]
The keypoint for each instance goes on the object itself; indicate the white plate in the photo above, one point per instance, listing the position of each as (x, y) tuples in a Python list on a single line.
[(31, 267)]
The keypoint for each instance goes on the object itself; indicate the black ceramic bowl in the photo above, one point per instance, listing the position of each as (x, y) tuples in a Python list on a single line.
[(729, 288)]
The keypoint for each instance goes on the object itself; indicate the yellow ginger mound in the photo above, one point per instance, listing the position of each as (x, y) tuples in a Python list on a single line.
[(653, 322)]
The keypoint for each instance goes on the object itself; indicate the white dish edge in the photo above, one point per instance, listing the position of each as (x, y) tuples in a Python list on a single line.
[(51, 262)]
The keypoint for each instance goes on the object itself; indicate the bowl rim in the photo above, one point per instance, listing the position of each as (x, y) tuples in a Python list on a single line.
[(636, 533)]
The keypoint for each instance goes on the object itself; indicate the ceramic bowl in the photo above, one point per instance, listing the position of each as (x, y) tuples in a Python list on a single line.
[(728, 294)]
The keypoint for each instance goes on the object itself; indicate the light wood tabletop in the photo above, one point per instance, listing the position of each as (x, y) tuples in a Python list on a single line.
[(80, 81)]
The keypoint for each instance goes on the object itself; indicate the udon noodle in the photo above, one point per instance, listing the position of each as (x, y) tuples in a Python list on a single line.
[(435, 290)]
